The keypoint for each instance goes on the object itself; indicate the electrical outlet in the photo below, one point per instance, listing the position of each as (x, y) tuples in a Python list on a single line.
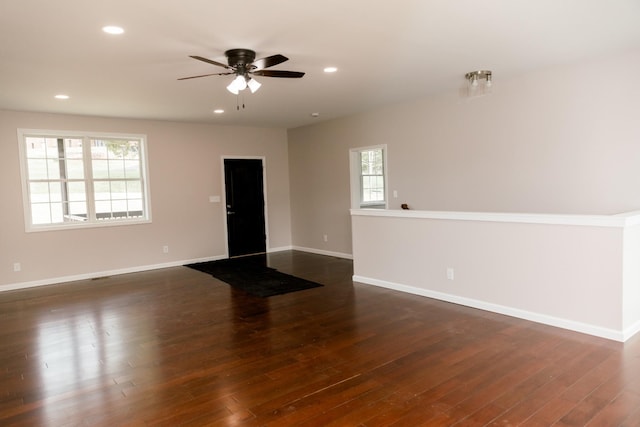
[(450, 273), (17, 267), (165, 249), (325, 237)]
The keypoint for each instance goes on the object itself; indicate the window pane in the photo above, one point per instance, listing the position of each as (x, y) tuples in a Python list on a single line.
[(76, 191), (366, 182), (52, 148), (134, 189), (35, 147), (135, 205), (56, 213), (117, 149), (98, 149), (132, 169), (39, 192), (75, 169), (37, 169), (40, 213), (102, 190), (134, 150), (78, 209), (100, 169), (116, 169), (118, 190), (377, 166), (73, 148), (53, 169), (103, 207), (55, 191), (364, 160), (118, 206)]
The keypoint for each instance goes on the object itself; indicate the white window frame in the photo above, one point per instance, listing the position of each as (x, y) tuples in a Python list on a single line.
[(91, 221), (356, 181)]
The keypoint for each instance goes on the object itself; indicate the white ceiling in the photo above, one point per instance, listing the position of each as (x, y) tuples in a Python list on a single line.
[(386, 52)]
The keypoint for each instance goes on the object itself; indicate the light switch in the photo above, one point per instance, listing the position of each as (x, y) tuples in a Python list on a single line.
[(214, 199)]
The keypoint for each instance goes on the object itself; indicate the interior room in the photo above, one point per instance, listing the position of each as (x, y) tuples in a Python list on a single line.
[(498, 250)]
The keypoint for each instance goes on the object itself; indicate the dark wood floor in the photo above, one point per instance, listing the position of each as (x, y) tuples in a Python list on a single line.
[(177, 347)]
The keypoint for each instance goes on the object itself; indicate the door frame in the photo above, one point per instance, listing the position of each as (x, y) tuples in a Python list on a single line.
[(224, 198)]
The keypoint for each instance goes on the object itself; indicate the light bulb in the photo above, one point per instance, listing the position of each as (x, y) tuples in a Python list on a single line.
[(474, 80), (254, 85), (232, 88), (240, 82), (489, 81)]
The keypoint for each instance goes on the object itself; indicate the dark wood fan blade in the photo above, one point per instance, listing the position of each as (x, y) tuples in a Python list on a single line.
[(205, 75), (269, 61), (279, 73), (209, 61)]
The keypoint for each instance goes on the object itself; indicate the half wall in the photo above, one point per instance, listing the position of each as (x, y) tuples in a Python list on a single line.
[(579, 272)]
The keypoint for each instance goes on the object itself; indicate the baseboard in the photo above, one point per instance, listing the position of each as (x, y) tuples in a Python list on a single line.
[(631, 331), (280, 249), (571, 325), (93, 275), (322, 252), (138, 269)]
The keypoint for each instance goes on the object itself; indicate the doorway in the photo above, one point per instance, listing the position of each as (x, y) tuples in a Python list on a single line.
[(244, 197)]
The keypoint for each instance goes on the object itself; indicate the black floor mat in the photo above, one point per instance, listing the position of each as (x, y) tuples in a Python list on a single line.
[(252, 275)]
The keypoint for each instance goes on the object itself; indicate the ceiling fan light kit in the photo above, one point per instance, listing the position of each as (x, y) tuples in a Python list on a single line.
[(238, 84)]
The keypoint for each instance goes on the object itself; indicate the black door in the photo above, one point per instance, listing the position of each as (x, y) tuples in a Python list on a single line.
[(245, 206)]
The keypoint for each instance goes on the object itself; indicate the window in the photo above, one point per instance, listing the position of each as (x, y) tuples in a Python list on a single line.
[(368, 177), (72, 179)]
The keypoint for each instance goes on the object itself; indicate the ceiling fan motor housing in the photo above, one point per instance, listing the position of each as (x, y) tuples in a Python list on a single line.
[(240, 59)]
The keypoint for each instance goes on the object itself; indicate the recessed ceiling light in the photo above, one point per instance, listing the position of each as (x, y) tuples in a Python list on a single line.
[(314, 115), (112, 29), (61, 96), (218, 111), (330, 69)]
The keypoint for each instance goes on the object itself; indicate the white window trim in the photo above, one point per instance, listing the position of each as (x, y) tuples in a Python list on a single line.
[(354, 170), (26, 202)]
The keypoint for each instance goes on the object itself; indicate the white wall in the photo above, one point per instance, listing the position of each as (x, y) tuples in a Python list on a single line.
[(184, 169), (562, 140)]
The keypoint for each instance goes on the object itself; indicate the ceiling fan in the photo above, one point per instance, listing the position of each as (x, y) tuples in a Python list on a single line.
[(243, 64)]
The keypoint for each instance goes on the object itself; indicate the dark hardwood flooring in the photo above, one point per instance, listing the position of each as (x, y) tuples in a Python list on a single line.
[(177, 347)]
